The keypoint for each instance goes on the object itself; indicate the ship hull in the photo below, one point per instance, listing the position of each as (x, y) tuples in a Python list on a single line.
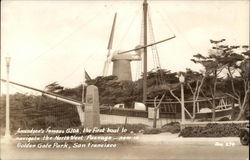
[(219, 114)]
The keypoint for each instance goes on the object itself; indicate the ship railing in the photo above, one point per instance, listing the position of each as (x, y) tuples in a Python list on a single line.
[(175, 106)]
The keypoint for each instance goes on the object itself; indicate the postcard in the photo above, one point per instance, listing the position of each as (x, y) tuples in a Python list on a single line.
[(123, 80)]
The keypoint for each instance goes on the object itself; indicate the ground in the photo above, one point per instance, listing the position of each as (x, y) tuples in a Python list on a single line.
[(160, 146)]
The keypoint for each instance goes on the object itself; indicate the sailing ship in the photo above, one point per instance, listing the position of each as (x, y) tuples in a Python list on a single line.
[(122, 69)]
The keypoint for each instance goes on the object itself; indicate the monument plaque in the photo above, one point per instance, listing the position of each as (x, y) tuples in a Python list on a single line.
[(92, 110)]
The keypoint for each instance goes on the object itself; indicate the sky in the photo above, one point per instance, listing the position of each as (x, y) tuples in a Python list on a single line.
[(56, 40)]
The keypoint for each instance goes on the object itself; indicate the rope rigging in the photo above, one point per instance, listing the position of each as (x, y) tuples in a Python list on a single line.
[(157, 66), (176, 29), (139, 63), (158, 76), (79, 65), (152, 40), (52, 47)]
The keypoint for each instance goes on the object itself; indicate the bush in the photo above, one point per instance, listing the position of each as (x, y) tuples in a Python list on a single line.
[(173, 127), (213, 130), (152, 131)]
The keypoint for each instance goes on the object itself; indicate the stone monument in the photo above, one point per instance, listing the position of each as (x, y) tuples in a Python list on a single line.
[(92, 110)]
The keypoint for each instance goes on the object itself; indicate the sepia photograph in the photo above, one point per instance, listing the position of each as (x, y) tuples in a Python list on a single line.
[(125, 80)]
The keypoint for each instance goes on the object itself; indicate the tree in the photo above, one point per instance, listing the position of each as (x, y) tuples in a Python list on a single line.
[(236, 60), (212, 69), (161, 80), (156, 108), (54, 87), (194, 81), (112, 92)]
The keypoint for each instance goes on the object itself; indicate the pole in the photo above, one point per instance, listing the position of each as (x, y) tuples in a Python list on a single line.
[(155, 117), (182, 104), (83, 86), (148, 45), (7, 116), (145, 12), (63, 99)]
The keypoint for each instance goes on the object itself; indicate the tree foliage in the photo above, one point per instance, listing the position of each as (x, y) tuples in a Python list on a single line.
[(232, 60), (30, 111)]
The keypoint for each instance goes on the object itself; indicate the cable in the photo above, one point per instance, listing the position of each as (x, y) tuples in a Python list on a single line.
[(157, 65), (71, 73), (154, 48), (80, 64), (66, 37), (177, 29)]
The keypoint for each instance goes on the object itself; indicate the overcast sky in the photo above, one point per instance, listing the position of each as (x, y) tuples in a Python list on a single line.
[(55, 40)]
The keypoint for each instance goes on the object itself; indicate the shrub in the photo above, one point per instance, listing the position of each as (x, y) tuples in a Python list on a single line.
[(173, 127), (213, 130), (152, 131)]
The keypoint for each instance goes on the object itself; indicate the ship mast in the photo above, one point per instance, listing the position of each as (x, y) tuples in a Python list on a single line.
[(145, 12)]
